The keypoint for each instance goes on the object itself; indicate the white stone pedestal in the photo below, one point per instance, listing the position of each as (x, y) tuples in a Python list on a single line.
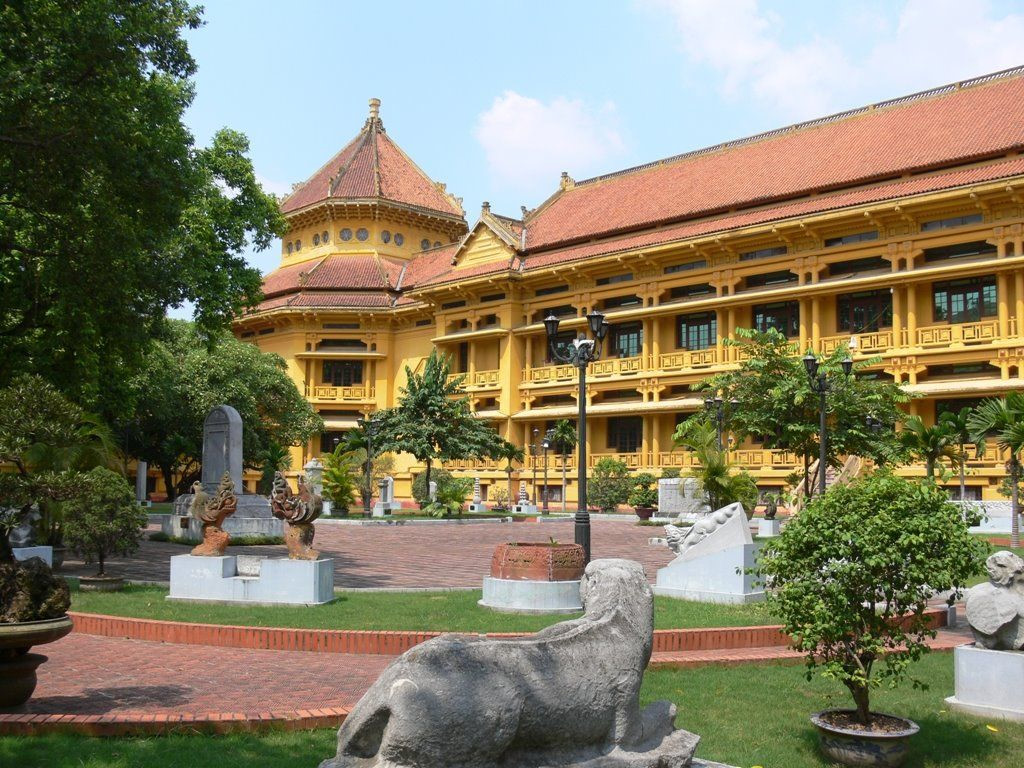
[(277, 581), (478, 508), (525, 509), (768, 528), (988, 683), (715, 577), (24, 553), (523, 596)]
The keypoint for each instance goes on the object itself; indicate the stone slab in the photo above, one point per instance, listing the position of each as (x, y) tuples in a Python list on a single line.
[(24, 553), (768, 528), (988, 683), (524, 596), (280, 580), (187, 527), (382, 508), (715, 577)]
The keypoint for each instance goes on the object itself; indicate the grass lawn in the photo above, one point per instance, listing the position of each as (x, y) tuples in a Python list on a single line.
[(390, 611), (747, 716)]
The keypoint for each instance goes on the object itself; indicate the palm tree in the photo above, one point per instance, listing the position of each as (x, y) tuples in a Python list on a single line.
[(958, 428), (509, 452), (720, 483), (1003, 420), (929, 443), (564, 438)]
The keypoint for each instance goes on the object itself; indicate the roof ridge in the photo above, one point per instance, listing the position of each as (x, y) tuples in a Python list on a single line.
[(835, 117), (441, 187)]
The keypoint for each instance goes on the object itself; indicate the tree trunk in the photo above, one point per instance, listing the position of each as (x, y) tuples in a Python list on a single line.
[(963, 476), (6, 553), (860, 699), (929, 466), (511, 499), (1014, 501), (101, 572), (427, 484), (807, 476), (168, 475)]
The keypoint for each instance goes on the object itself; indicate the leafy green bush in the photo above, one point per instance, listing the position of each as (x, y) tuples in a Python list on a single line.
[(851, 577), (450, 497), (644, 494), (499, 497), (419, 484), (610, 485), (103, 519), (339, 479), (670, 473)]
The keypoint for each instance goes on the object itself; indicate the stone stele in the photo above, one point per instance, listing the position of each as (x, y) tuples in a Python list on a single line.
[(995, 610), (222, 447), (567, 696)]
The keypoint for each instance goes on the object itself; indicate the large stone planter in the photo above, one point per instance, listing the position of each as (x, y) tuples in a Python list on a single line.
[(854, 747), (530, 561), (17, 665), (101, 583), (535, 578)]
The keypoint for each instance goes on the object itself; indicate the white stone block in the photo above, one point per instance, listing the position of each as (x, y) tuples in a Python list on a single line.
[(525, 596), (24, 553), (279, 580), (478, 508), (988, 683), (768, 528), (525, 509), (716, 577)]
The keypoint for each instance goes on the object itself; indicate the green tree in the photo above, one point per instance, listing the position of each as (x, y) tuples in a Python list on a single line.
[(41, 436), (719, 480), (564, 437), (183, 378), (958, 425), (510, 453), (276, 458), (610, 485), (1002, 419), (852, 574), (775, 402), (929, 444), (109, 213), (104, 519), (432, 420), (340, 479)]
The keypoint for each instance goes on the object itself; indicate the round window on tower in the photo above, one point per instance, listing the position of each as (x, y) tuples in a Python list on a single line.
[(291, 247), (424, 244), (437, 243), (362, 234), (399, 238), (325, 238), (345, 234), (385, 236), (316, 239), (298, 245)]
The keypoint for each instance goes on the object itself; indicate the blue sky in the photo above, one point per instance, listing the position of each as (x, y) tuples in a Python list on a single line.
[(495, 99)]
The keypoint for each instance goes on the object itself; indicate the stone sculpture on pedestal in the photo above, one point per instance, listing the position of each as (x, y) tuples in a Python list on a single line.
[(299, 512), (989, 675), (478, 501), (567, 696), (213, 511)]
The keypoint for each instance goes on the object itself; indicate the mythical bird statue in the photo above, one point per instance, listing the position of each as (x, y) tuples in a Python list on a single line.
[(299, 512), (213, 511)]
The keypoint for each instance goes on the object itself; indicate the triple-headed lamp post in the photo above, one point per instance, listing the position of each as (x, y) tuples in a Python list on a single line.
[(581, 353), (821, 384)]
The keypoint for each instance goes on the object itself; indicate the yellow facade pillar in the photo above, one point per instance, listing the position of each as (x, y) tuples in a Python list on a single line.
[(655, 343), (1003, 298), (897, 317), (1018, 293), (803, 325), (529, 352), (645, 344), (816, 324), (720, 334), (729, 332), (645, 441), (911, 315), (656, 440)]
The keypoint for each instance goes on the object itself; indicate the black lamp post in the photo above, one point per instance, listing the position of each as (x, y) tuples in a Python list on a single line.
[(582, 353), (715, 406), (368, 425), (546, 445), (875, 425), (820, 383)]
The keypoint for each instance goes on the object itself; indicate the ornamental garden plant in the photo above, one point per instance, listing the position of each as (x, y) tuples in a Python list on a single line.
[(851, 577), (610, 485)]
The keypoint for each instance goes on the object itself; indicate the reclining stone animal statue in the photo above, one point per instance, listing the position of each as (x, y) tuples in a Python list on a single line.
[(995, 610), (565, 697)]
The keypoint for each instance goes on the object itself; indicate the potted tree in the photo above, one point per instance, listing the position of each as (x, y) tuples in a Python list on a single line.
[(644, 496), (610, 485), (851, 577), (103, 520), (339, 480)]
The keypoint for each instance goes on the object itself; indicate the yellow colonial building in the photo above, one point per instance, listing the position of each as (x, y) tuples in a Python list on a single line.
[(895, 228)]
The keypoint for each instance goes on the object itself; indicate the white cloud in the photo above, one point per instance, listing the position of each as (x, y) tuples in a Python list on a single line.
[(528, 142), (932, 42), (278, 188)]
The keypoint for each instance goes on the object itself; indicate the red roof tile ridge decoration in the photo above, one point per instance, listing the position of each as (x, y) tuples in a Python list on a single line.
[(372, 166), (942, 127)]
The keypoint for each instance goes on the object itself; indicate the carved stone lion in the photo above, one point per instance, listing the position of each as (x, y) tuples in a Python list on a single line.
[(567, 696), (995, 610)]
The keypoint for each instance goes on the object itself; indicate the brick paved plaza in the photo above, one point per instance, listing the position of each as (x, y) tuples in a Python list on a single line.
[(413, 556)]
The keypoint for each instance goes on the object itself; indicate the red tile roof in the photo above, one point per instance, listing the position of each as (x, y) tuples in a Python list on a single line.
[(428, 265), (818, 204), (372, 166), (288, 278), (943, 127)]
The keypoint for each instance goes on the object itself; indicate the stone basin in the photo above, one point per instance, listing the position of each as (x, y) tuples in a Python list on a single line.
[(538, 561)]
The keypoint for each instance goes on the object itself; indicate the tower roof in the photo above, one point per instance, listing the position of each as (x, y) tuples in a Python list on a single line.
[(372, 167)]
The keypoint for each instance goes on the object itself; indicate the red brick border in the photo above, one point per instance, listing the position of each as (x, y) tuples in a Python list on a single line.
[(395, 643), (148, 723)]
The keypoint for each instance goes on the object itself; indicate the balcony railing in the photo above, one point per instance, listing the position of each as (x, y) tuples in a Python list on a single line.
[(956, 335), (631, 460), (610, 367), (473, 464), (550, 373), (616, 365), (356, 394), (698, 358), (478, 379), (867, 343), (554, 462)]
